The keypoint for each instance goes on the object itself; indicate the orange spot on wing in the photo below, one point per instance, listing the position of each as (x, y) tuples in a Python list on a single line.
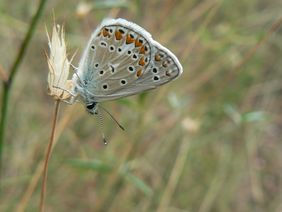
[(139, 73), (137, 43), (142, 50), (157, 57), (141, 61), (165, 64), (118, 35), (167, 73), (106, 33), (129, 39)]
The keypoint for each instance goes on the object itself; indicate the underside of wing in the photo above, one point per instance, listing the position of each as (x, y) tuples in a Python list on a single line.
[(122, 59)]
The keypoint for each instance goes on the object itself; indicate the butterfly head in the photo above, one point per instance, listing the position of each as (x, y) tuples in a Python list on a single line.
[(92, 108)]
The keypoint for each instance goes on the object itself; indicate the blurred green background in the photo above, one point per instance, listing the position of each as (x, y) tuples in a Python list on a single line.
[(209, 141)]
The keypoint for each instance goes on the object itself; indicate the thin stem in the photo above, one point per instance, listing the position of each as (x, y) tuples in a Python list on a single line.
[(47, 156), (175, 175), (27, 39), (3, 74), (3, 120), (8, 84)]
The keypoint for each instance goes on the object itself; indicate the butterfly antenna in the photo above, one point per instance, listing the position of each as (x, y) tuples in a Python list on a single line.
[(113, 118), (101, 125)]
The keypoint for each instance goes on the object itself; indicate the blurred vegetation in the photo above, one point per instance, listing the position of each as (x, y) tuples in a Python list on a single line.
[(210, 141)]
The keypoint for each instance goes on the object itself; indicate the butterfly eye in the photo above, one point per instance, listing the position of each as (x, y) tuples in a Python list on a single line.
[(91, 106)]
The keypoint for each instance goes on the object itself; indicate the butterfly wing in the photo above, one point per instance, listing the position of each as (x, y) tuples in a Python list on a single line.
[(163, 68), (122, 59)]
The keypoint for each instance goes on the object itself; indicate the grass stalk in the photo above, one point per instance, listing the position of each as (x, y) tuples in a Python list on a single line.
[(61, 125), (3, 74), (7, 84), (175, 175), (47, 157)]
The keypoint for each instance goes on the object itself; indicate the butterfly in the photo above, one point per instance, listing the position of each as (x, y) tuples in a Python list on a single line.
[(121, 59)]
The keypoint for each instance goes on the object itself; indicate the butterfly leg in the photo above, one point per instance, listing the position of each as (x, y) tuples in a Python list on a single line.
[(75, 71), (74, 67), (70, 101), (64, 90)]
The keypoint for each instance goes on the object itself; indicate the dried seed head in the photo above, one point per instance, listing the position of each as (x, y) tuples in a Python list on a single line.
[(59, 65)]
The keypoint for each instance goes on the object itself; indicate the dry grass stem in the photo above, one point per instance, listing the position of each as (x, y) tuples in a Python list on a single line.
[(3, 74), (175, 175), (58, 84), (47, 156)]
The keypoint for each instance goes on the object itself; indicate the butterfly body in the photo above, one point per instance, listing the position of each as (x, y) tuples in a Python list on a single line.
[(122, 59)]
